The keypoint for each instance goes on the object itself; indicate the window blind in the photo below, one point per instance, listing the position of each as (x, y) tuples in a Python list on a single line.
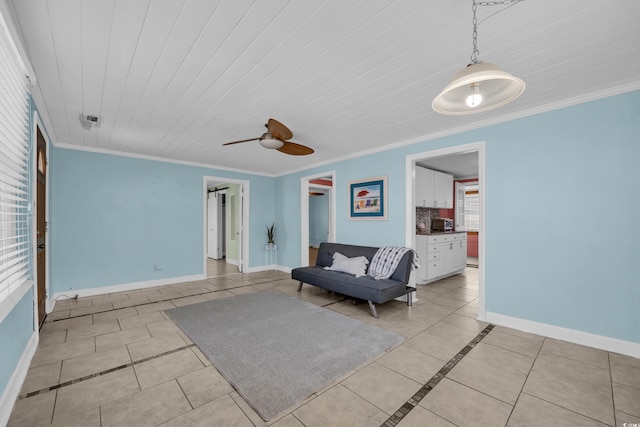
[(472, 211), (15, 216)]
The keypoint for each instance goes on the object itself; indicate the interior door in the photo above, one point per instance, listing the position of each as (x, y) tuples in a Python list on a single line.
[(460, 192), (234, 225), (212, 226), (41, 225), (241, 229)]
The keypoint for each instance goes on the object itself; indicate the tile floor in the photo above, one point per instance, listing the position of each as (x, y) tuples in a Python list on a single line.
[(117, 360)]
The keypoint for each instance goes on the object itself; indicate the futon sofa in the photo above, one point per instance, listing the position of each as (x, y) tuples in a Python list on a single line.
[(364, 287)]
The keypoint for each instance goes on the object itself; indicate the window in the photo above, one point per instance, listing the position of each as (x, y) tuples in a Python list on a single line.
[(472, 208), (15, 215)]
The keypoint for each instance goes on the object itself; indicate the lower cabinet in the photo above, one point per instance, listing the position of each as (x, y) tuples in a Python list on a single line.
[(441, 255)]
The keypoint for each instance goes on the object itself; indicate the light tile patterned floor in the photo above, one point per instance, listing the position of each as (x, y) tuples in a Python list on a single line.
[(117, 360)]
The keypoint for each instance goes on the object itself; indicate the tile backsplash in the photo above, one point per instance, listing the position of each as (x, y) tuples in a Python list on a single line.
[(426, 214)]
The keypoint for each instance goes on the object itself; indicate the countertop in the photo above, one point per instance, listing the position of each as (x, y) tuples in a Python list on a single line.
[(432, 233)]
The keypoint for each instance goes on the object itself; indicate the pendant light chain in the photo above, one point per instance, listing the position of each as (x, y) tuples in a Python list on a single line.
[(475, 53)]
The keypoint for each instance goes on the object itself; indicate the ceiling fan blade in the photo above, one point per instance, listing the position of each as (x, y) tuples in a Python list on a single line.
[(242, 140), (278, 130), (295, 149)]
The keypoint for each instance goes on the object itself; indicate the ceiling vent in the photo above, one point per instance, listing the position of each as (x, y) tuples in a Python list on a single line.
[(89, 121)]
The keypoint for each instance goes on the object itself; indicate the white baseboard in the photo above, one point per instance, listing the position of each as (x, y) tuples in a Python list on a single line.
[(268, 268), (124, 287), (14, 386), (577, 337)]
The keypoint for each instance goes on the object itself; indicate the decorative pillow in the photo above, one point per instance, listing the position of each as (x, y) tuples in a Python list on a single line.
[(356, 266)]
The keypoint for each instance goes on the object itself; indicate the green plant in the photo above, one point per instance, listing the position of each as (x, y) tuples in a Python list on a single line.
[(271, 233)]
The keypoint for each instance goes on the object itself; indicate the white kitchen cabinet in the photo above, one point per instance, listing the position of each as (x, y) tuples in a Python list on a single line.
[(444, 190), (425, 187), (461, 252), (421, 250), (441, 255), (433, 189)]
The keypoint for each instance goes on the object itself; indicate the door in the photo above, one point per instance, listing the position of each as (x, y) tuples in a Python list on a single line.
[(213, 230), (460, 193), (241, 229), (41, 224), (234, 218)]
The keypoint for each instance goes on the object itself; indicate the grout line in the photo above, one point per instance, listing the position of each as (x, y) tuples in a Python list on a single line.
[(402, 412), (613, 396), (535, 358), (98, 374), (154, 302)]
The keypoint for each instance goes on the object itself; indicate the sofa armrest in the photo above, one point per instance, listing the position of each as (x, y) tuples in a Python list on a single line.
[(403, 271)]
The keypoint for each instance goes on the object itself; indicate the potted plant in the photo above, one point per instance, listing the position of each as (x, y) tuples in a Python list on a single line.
[(271, 234)]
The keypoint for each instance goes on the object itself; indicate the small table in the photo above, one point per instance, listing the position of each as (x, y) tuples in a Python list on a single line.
[(271, 256)]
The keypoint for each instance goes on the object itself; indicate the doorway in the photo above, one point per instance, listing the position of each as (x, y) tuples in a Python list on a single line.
[(225, 236), (449, 160), (217, 222), (41, 224), (317, 210)]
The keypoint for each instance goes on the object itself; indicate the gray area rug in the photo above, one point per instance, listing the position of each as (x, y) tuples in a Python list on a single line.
[(276, 349)]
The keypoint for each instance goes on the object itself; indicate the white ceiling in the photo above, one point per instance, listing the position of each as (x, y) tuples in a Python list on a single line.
[(461, 166), (176, 79)]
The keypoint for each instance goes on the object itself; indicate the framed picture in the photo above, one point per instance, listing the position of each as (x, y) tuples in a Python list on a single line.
[(368, 198)]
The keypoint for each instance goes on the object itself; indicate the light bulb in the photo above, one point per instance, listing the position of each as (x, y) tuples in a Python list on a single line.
[(475, 98)]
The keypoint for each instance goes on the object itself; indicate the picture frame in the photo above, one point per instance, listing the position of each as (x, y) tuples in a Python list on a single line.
[(368, 199)]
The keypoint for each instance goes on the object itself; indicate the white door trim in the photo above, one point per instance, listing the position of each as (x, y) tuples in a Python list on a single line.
[(244, 261), (410, 197), (37, 123), (304, 213)]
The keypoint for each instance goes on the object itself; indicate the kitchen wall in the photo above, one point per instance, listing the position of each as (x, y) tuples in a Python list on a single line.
[(425, 215)]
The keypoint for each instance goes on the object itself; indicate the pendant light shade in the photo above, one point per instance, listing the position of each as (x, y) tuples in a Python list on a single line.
[(479, 87)]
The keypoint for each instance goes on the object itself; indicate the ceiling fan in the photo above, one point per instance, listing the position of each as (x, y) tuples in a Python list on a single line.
[(276, 137)]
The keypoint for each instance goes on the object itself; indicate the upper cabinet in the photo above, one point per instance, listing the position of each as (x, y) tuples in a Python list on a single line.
[(433, 189), (425, 187)]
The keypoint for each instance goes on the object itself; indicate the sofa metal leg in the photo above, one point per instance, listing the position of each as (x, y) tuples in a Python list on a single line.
[(300, 287), (374, 313), (410, 299)]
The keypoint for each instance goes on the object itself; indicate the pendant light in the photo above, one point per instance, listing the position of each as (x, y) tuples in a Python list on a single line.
[(480, 86)]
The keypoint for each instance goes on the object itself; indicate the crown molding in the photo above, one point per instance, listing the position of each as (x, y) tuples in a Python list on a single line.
[(156, 159), (552, 106)]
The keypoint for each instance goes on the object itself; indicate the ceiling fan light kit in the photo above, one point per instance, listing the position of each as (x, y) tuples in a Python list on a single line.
[(480, 86), (267, 141)]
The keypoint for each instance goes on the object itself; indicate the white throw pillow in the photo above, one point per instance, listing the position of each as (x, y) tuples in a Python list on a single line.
[(356, 266)]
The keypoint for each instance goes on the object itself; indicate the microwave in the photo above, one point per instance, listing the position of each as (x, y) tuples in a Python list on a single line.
[(441, 224)]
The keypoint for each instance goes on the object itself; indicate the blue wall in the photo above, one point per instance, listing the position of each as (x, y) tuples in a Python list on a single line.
[(561, 214), (18, 326), (318, 219), (15, 331), (120, 220)]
